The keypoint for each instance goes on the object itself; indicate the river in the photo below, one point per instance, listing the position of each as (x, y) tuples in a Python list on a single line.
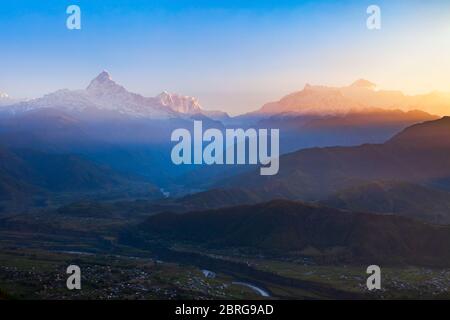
[(260, 291)]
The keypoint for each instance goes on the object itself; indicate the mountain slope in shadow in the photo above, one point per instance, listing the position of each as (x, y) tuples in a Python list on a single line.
[(295, 228), (25, 174), (418, 154), (392, 197)]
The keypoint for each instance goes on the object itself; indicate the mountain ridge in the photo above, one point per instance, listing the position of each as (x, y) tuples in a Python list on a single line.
[(311, 174), (356, 97), (26, 173), (393, 197), (104, 93), (301, 229)]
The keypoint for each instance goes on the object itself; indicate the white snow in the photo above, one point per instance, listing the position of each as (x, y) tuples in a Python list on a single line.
[(104, 93)]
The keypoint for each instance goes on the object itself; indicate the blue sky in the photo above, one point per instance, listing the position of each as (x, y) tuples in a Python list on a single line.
[(233, 55)]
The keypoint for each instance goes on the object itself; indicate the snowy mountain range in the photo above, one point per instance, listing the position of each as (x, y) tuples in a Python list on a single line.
[(359, 96), (104, 94)]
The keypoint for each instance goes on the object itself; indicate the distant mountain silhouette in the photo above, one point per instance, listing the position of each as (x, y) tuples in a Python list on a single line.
[(28, 173), (368, 126), (431, 134), (418, 154), (295, 228)]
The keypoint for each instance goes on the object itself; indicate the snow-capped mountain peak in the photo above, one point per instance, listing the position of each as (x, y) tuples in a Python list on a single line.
[(179, 103), (360, 96), (104, 76), (103, 93), (3, 95), (103, 84)]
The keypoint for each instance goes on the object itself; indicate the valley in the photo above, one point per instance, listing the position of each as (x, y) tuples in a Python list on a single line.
[(36, 274), (86, 178), (36, 248)]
